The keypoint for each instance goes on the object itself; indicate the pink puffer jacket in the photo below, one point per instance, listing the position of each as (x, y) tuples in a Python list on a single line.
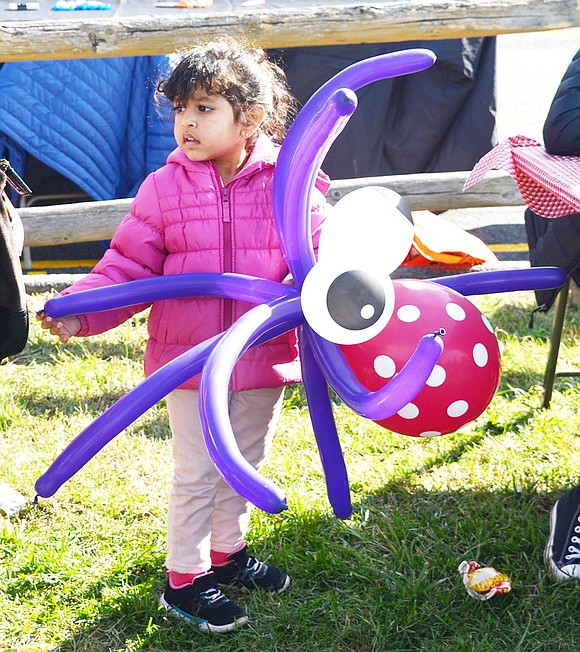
[(184, 220)]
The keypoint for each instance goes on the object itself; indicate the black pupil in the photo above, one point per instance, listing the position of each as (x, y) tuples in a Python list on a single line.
[(355, 300)]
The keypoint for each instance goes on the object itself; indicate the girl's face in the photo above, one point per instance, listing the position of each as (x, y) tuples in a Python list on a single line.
[(205, 129)]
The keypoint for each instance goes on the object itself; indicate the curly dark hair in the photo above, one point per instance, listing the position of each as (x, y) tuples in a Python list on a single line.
[(244, 76)]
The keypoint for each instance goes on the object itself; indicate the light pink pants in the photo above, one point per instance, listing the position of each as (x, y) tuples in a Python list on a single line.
[(204, 512)]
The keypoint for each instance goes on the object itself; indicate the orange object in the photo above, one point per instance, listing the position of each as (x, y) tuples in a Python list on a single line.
[(437, 240)]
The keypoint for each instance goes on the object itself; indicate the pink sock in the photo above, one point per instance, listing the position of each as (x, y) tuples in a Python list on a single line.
[(221, 558), (179, 580)]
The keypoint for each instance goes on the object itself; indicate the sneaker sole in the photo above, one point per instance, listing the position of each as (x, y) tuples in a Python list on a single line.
[(557, 573), (202, 624), (286, 584)]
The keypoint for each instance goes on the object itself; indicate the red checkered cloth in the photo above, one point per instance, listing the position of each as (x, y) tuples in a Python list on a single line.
[(548, 184)]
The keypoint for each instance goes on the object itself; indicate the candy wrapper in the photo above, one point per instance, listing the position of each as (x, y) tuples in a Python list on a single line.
[(483, 582)]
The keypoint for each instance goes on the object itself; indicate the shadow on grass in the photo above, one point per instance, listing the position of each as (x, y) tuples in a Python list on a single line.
[(150, 424), (58, 402), (385, 579)]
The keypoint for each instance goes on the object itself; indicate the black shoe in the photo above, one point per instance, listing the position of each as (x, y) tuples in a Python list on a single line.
[(244, 570), (562, 553), (203, 604)]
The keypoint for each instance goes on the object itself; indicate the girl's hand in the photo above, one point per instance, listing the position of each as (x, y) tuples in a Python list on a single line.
[(63, 327)]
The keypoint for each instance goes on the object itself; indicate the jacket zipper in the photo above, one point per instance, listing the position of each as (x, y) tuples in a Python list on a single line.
[(228, 253)]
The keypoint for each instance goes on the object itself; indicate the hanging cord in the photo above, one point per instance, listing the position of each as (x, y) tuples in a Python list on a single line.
[(543, 308)]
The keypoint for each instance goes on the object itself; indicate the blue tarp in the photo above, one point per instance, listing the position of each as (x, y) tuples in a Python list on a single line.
[(95, 121)]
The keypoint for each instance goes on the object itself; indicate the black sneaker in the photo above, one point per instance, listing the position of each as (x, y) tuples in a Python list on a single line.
[(562, 553), (203, 604), (245, 570)]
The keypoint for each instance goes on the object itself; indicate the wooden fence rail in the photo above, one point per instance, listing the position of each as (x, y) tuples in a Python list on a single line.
[(135, 27), (93, 221)]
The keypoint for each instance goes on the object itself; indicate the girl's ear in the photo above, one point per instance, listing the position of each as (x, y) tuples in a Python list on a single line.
[(253, 119)]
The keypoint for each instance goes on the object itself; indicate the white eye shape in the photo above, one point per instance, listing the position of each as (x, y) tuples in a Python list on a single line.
[(367, 226), (348, 296), (347, 306)]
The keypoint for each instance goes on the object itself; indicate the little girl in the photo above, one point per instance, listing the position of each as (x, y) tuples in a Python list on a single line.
[(209, 209)]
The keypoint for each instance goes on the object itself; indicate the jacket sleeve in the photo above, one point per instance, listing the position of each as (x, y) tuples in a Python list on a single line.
[(562, 126), (320, 207), (137, 251)]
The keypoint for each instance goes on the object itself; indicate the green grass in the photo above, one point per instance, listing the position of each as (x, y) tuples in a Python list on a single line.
[(82, 570)]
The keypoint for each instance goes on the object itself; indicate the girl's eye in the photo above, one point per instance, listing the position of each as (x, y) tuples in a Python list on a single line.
[(178, 109)]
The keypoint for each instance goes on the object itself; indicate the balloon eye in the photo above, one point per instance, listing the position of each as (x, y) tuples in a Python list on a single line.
[(347, 306), (355, 300)]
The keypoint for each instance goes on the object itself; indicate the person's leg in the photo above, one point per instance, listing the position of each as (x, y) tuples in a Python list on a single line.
[(254, 415), (193, 488), (192, 591), (562, 553)]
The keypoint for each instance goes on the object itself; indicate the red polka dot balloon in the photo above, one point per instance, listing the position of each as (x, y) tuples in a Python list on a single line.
[(466, 376)]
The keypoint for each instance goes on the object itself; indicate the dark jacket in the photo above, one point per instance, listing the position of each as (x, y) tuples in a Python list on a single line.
[(556, 241), (13, 311), (438, 120)]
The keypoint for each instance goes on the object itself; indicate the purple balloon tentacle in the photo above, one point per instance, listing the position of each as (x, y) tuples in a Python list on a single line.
[(233, 286), (121, 414), (151, 390), (388, 400), (508, 280), (220, 440), (308, 141), (296, 168), (325, 433), (383, 66), (126, 410)]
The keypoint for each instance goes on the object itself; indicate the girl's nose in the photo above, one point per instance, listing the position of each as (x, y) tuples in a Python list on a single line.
[(188, 118)]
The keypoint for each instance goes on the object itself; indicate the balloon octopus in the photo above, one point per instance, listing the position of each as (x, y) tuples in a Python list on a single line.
[(415, 356)]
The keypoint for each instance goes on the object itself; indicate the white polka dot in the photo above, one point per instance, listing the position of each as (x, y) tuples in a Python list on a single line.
[(408, 313), (384, 366), (487, 323), (410, 411), (430, 433), (437, 376), (455, 312), (367, 311), (480, 355), (457, 408)]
